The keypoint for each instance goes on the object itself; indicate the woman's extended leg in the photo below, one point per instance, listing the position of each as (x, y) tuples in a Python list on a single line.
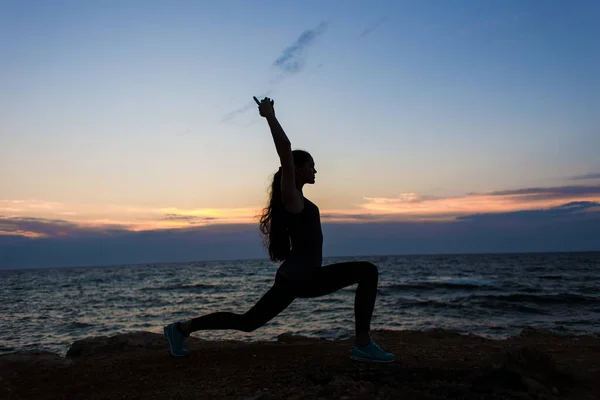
[(274, 301)]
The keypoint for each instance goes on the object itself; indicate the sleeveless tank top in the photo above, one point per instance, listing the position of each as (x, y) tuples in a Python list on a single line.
[(307, 243)]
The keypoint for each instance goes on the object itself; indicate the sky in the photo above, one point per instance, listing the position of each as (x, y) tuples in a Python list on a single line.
[(128, 133)]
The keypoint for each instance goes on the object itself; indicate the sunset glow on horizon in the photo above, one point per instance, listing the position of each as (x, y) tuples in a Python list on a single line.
[(405, 207)]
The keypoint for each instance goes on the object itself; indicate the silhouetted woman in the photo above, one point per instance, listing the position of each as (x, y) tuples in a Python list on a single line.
[(291, 227)]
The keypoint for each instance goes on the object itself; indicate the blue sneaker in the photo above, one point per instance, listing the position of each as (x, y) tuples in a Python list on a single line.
[(175, 339), (371, 353)]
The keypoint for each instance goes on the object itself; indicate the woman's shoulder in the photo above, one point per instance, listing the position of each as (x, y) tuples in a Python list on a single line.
[(309, 203), (308, 206)]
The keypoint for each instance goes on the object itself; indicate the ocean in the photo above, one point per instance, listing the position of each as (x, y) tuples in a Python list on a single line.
[(492, 295)]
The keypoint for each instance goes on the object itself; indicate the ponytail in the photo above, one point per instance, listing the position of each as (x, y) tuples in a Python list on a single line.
[(272, 224)]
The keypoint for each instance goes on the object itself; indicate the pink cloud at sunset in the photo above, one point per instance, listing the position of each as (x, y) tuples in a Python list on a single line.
[(26, 218), (412, 204)]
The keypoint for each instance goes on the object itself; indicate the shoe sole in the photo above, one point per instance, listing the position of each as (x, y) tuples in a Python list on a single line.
[(370, 360), (165, 331)]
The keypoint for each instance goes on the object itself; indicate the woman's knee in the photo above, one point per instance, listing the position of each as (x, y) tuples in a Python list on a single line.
[(369, 270)]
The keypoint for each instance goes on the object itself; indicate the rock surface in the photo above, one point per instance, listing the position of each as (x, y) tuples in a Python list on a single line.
[(434, 364), (115, 344)]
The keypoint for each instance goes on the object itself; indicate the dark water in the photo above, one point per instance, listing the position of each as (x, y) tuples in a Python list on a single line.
[(490, 295)]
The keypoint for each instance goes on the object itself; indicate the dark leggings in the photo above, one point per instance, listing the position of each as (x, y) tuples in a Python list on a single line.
[(325, 280)]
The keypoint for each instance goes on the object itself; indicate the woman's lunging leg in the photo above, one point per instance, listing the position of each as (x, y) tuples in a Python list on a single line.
[(334, 277), (274, 301)]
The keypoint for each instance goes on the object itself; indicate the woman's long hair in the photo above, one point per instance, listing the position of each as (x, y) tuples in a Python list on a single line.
[(272, 221)]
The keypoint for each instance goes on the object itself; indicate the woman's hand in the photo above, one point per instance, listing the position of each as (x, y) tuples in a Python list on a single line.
[(265, 107)]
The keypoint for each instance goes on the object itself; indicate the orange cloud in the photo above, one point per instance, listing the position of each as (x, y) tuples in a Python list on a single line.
[(214, 215), (494, 202), (20, 232), (415, 207), (405, 207), (14, 213)]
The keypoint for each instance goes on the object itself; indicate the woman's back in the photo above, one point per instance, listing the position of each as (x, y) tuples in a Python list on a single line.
[(306, 240)]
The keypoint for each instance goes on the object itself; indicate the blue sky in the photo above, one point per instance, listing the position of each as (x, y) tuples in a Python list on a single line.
[(129, 119)]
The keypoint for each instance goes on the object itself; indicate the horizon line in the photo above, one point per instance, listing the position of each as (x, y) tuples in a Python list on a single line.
[(474, 253)]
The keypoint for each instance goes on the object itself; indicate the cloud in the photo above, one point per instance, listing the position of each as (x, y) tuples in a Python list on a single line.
[(73, 218), (403, 198), (15, 206), (42, 227), (236, 112), (229, 215), (560, 192), (567, 227), (370, 29), (370, 217), (291, 60), (411, 205), (576, 209), (126, 247), (251, 104), (53, 221), (188, 218), (585, 177), (184, 132)]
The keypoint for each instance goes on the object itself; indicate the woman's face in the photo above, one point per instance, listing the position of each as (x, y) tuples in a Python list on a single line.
[(306, 172)]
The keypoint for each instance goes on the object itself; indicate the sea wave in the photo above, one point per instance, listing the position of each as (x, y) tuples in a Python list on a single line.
[(187, 286), (558, 298), (458, 284)]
